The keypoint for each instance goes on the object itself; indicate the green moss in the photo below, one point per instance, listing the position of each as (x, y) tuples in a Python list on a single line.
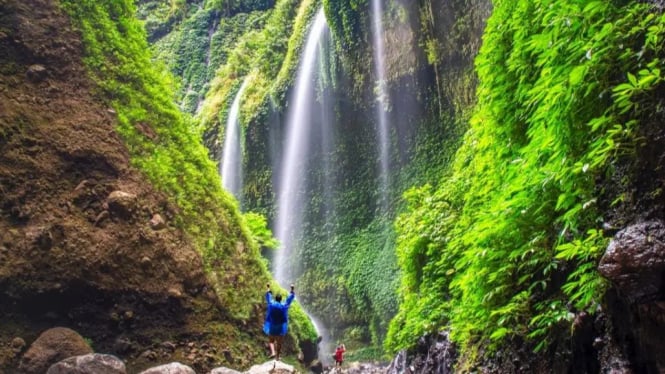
[(563, 89)]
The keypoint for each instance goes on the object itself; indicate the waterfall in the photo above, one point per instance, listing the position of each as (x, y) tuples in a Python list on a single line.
[(211, 32), (292, 175), (327, 136), (383, 100), (231, 169)]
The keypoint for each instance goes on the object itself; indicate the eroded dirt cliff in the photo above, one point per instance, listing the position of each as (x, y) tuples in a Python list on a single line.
[(85, 241)]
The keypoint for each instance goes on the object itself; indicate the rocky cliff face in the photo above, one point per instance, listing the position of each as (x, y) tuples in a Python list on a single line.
[(85, 241)]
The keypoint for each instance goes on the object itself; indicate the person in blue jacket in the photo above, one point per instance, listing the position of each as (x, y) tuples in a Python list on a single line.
[(277, 319)]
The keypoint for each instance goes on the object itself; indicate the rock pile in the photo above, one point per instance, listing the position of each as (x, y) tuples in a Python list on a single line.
[(61, 350)]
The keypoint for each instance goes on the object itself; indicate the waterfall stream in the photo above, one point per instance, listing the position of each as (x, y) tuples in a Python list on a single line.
[(301, 132), (292, 174), (383, 101), (231, 169)]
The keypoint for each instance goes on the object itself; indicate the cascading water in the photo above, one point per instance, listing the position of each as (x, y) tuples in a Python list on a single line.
[(327, 168), (294, 162), (231, 169), (293, 176), (211, 32), (327, 137), (383, 100)]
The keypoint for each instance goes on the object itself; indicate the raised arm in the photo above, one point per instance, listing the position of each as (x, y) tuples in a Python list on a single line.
[(289, 299), (269, 295)]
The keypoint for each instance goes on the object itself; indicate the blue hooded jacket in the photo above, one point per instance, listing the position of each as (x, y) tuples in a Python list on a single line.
[(277, 315)]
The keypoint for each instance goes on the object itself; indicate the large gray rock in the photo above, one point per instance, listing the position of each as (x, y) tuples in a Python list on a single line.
[(50, 347), (271, 367), (635, 262), (172, 368), (95, 363), (223, 370)]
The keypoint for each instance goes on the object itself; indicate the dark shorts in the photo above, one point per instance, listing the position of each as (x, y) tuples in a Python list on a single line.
[(276, 330)]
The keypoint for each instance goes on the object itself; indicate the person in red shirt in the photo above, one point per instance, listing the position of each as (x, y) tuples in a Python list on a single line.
[(339, 355)]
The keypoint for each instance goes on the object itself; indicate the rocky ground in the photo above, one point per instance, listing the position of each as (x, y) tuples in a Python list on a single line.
[(63, 351)]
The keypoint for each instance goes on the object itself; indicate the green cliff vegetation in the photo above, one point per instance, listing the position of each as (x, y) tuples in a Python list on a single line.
[(268, 57), (506, 246), (348, 277), (163, 144), (195, 39), (357, 265), (499, 239)]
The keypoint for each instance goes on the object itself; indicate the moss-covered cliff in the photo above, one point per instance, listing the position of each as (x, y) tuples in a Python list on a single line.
[(348, 273), (195, 38), (504, 252), (519, 185), (113, 218)]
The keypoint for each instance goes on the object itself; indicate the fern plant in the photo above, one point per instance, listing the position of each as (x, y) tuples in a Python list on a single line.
[(564, 88)]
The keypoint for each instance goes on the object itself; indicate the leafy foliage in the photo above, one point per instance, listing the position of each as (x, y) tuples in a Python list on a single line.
[(563, 87), (199, 44), (259, 228)]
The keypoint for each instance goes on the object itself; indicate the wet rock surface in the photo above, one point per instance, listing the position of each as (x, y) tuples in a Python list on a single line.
[(635, 262), (433, 354)]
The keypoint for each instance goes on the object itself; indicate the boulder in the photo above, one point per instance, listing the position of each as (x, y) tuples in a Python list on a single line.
[(635, 262), (36, 73), (271, 367), (434, 353), (17, 344), (122, 204), (157, 222), (95, 363), (172, 368), (316, 367), (50, 347), (223, 370), (309, 349)]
